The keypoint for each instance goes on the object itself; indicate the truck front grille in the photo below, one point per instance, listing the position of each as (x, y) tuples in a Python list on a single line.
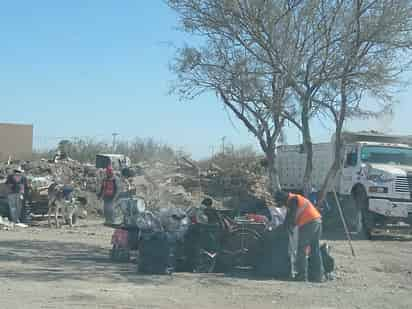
[(403, 184)]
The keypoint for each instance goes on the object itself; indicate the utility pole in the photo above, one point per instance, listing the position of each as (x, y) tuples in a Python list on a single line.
[(212, 148), (223, 145), (114, 140)]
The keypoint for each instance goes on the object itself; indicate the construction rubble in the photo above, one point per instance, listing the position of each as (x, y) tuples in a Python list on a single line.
[(179, 183), (184, 183)]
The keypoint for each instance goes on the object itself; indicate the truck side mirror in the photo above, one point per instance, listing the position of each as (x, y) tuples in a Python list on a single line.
[(351, 159)]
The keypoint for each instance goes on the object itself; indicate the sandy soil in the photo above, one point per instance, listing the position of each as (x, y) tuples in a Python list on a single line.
[(49, 268)]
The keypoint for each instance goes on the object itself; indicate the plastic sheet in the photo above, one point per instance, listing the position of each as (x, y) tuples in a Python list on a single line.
[(147, 221), (129, 209)]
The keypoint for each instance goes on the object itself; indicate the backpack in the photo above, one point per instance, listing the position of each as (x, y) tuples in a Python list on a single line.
[(109, 188), (327, 259)]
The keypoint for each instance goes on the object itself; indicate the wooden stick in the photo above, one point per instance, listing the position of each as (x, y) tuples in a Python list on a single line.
[(344, 223)]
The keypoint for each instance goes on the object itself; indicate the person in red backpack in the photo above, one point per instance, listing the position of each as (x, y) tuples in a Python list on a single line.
[(109, 192)]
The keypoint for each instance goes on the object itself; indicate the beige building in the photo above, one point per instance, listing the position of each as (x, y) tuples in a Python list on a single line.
[(16, 140)]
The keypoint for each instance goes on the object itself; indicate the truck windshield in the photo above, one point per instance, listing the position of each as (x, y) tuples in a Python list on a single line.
[(386, 155)]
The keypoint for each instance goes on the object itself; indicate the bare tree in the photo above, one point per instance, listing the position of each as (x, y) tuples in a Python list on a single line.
[(238, 62), (370, 51), (342, 50), (275, 61), (353, 42), (309, 36)]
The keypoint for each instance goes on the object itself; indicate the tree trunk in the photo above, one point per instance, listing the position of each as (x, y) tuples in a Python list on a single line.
[(337, 162), (334, 169), (329, 180), (307, 145), (274, 182)]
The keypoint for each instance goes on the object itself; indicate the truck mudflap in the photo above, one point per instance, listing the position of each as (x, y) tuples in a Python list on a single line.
[(389, 208)]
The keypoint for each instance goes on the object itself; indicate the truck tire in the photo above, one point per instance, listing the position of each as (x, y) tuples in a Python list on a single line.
[(364, 218)]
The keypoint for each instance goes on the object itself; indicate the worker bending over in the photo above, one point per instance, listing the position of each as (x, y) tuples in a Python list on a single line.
[(302, 213)]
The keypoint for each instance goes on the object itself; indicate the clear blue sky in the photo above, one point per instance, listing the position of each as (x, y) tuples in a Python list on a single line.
[(90, 68)]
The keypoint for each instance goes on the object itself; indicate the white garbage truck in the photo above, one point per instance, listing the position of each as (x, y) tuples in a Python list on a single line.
[(376, 177)]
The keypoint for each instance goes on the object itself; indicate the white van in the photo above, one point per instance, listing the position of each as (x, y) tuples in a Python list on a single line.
[(117, 161)]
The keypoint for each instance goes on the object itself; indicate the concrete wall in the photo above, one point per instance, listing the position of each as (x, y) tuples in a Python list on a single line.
[(16, 140)]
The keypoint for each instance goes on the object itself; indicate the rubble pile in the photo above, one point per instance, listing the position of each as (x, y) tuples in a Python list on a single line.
[(82, 175), (185, 183), (164, 185), (182, 183), (239, 184), (41, 174)]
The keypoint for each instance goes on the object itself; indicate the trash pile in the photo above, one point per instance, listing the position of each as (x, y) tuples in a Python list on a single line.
[(132, 212), (184, 183), (159, 233), (179, 184), (198, 239), (42, 173)]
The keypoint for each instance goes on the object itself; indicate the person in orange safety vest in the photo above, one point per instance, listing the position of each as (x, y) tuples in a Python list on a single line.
[(301, 213)]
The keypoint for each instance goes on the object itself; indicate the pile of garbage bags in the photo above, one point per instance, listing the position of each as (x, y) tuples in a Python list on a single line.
[(161, 235), (131, 212), (172, 239), (161, 232)]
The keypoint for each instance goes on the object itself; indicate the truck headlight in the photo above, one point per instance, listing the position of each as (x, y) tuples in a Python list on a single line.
[(379, 176)]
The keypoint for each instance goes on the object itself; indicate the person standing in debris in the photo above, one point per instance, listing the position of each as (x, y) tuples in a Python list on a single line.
[(18, 188), (302, 213), (109, 192)]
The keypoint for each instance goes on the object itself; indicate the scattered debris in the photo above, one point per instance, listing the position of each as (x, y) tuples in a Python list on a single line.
[(162, 184), (5, 224)]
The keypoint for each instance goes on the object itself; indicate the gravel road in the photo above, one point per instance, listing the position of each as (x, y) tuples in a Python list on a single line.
[(70, 268)]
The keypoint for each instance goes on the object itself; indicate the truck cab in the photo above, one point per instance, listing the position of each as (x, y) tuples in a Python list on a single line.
[(375, 182), (378, 176)]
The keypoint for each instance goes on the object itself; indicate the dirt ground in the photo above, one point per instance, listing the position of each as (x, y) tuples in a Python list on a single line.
[(70, 268)]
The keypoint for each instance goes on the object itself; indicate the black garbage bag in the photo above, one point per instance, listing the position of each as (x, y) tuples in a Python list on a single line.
[(4, 207), (328, 261), (202, 244), (157, 253), (274, 259), (26, 213)]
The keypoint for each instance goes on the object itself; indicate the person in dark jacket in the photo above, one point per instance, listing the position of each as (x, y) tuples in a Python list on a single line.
[(301, 213), (18, 189)]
